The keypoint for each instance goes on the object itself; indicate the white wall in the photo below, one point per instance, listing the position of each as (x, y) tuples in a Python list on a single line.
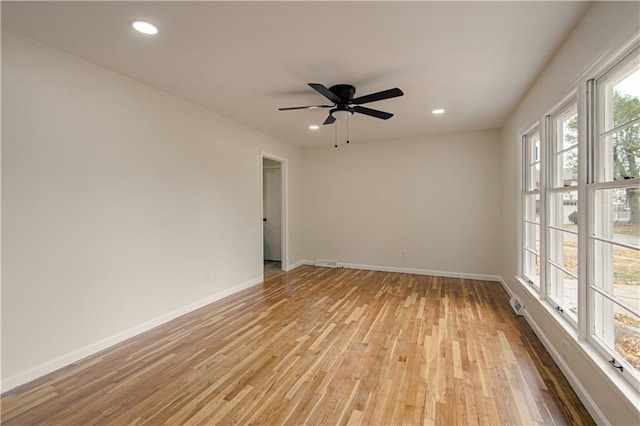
[(604, 27), (117, 200), (436, 198)]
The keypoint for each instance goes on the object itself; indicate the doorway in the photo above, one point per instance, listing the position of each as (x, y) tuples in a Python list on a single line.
[(273, 215)]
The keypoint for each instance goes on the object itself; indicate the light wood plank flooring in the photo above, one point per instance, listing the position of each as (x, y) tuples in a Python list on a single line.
[(319, 346)]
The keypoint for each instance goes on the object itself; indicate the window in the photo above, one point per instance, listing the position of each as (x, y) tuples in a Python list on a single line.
[(531, 205), (583, 192), (562, 218), (614, 227)]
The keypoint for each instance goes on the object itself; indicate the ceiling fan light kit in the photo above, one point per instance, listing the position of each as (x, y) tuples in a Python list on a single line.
[(341, 114), (344, 104)]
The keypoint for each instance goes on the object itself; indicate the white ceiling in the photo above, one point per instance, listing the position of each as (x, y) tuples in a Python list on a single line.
[(246, 59)]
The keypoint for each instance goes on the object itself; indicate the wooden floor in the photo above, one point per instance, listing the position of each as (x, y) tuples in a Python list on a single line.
[(319, 346)]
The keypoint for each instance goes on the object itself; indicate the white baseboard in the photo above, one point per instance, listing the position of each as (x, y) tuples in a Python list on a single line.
[(447, 274), (506, 287), (299, 263), (93, 348)]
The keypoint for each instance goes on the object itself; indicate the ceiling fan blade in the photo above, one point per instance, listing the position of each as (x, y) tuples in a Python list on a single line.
[(305, 107), (378, 96), (330, 119), (325, 92), (373, 112)]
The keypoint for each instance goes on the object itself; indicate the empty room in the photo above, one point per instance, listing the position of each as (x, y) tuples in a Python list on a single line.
[(319, 212)]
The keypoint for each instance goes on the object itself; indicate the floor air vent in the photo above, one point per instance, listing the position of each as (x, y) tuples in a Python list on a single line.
[(517, 306), (327, 263)]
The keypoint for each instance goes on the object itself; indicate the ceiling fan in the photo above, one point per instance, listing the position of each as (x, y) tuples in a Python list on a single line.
[(344, 104)]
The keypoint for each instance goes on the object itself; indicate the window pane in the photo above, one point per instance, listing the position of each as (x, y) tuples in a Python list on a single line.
[(617, 215), (532, 208), (563, 209), (567, 131), (619, 329), (566, 168), (532, 237), (620, 154), (617, 270), (534, 148), (533, 177), (564, 289), (626, 99), (532, 162), (563, 249)]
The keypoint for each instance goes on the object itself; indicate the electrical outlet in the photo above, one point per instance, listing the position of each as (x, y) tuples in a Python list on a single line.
[(403, 254)]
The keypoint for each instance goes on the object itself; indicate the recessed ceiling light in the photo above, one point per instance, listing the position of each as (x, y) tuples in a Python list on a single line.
[(144, 27), (437, 111), (314, 127)]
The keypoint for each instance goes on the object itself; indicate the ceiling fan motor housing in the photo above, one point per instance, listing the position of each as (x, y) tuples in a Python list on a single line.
[(343, 91)]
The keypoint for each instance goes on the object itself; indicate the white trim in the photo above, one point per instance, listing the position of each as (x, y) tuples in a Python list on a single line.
[(464, 275), (506, 287), (299, 263), (447, 274), (93, 348)]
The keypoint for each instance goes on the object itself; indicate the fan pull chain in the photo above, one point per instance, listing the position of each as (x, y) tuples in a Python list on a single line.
[(335, 128), (348, 119)]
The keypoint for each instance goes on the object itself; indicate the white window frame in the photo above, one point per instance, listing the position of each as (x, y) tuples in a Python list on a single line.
[(599, 179), (587, 185), (555, 148), (529, 190)]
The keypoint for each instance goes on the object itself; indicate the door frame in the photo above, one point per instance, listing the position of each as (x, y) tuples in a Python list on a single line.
[(284, 217)]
